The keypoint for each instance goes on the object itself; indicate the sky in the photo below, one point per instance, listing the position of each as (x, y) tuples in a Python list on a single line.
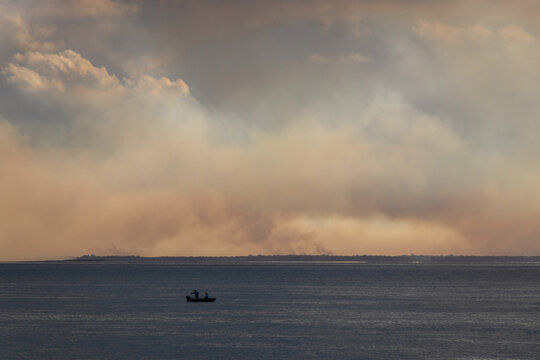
[(236, 127)]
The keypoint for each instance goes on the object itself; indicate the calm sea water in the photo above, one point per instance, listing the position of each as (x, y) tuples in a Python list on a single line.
[(269, 311)]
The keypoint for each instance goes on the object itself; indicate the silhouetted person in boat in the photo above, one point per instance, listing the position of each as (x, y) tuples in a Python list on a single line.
[(196, 293), (206, 295)]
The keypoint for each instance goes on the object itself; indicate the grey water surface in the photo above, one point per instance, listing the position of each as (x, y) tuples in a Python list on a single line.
[(280, 310)]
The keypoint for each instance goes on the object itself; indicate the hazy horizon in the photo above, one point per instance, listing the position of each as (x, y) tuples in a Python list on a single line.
[(209, 128)]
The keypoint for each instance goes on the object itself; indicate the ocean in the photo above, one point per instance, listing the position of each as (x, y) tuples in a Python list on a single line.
[(269, 310)]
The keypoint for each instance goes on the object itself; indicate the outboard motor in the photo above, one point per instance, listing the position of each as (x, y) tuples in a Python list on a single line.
[(187, 298)]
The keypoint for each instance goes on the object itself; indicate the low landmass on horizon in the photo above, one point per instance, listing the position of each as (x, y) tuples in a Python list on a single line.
[(366, 259)]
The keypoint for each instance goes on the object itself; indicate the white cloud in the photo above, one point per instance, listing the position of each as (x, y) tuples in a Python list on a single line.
[(60, 71), (29, 79), (69, 71), (158, 86)]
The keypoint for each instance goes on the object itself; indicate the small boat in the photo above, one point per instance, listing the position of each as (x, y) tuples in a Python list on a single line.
[(194, 299)]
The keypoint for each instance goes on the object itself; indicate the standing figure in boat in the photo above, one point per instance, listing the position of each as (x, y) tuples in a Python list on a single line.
[(196, 298)]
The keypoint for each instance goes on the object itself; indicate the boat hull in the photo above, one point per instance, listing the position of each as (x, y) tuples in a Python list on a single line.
[(190, 299)]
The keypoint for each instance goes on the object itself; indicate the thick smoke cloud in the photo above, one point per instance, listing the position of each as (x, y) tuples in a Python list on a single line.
[(414, 133)]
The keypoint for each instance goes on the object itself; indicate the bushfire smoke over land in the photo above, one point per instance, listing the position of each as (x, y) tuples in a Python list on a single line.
[(269, 127)]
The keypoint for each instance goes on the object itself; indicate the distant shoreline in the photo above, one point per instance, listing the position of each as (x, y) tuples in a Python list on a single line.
[(305, 259)]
